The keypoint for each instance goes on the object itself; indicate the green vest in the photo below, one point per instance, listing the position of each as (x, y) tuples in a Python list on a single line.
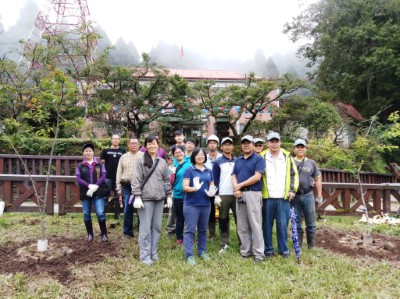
[(289, 165)]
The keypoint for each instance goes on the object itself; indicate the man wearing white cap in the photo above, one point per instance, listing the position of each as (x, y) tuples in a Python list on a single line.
[(304, 203), (246, 176), (280, 182), (212, 156), (222, 173), (258, 145)]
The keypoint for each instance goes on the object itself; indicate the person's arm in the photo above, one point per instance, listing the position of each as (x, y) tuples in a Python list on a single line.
[(79, 180), (216, 172), (137, 177), (250, 181), (167, 182), (294, 179), (318, 186), (119, 176), (238, 193), (102, 177), (103, 156)]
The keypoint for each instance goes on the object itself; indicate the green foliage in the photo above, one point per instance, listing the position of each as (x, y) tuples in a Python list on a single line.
[(132, 101), (355, 46)]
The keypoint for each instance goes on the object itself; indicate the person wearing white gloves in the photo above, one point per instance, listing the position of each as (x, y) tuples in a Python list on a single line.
[(91, 176), (198, 185), (150, 185), (222, 172)]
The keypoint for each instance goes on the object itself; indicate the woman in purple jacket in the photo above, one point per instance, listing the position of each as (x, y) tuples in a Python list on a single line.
[(91, 176)]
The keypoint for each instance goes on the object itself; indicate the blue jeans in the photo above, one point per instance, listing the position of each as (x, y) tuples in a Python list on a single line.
[(278, 209), (305, 205), (98, 203), (180, 219), (195, 216), (128, 210)]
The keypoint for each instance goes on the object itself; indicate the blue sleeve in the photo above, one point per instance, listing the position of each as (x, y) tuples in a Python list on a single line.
[(234, 171), (216, 172), (260, 164), (187, 173)]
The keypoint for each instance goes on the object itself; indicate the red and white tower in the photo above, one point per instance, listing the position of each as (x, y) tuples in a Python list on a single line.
[(69, 19)]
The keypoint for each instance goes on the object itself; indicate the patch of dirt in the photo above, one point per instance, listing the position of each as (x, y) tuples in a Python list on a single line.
[(354, 244), (61, 253)]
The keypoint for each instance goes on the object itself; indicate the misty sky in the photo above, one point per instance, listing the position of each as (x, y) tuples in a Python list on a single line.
[(223, 29)]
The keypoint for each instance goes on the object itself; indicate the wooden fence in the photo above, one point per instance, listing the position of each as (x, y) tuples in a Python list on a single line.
[(341, 193)]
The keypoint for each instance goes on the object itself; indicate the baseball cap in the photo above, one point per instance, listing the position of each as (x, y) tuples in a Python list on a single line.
[(300, 142), (86, 145), (213, 137), (248, 138), (178, 132), (259, 140), (225, 139), (273, 135)]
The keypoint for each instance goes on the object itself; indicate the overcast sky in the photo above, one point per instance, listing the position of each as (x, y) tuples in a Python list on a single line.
[(227, 29)]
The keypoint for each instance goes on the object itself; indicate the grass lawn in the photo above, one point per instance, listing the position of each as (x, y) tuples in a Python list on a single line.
[(321, 273)]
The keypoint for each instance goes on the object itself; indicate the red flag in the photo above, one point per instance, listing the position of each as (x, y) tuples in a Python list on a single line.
[(181, 54)]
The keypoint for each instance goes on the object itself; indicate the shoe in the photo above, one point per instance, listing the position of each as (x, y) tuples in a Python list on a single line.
[(224, 248), (147, 262), (285, 255), (191, 261), (179, 242), (155, 258), (269, 255), (256, 260), (246, 256), (89, 238), (204, 256), (104, 238), (128, 236)]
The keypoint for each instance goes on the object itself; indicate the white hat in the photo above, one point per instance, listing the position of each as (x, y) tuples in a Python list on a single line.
[(273, 135), (259, 140), (213, 137), (248, 138), (225, 139), (300, 142)]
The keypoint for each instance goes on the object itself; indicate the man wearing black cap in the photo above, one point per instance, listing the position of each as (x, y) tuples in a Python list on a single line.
[(304, 203), (280, 182), (246, 175)]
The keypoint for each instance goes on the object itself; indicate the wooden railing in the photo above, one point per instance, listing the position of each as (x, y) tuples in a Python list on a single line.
[(341, 192)]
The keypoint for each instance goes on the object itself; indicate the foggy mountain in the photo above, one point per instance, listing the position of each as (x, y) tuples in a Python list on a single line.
[(125, 53)]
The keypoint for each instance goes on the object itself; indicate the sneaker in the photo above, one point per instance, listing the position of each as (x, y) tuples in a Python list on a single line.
[(191, 261), (155, 258), (256, 260), (224, 248), (285, 255), (204, 256), (147, 262), (128, 237), (269, 255), (179, 242)]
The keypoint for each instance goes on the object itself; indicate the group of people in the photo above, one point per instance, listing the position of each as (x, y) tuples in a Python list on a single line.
[(258, 188)]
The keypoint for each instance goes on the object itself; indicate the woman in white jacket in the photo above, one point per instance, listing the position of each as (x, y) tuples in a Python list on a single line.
[(150, 185)]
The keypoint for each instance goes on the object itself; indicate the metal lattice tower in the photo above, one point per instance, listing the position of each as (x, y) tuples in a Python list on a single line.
[(69, 18)]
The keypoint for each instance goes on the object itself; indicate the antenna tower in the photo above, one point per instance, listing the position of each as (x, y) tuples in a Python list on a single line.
[(67, 18)]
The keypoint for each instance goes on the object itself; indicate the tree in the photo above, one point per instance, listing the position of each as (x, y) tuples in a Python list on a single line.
[(355, 45), (140, 95), (252, 98), (124, 54), (271, 69)]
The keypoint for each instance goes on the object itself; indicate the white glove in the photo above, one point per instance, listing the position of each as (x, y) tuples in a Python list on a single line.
[(138, 203), (196, 183), (211, 191), (169, 202), (318, 199), (217, 201), (89, 193), (93, 187)]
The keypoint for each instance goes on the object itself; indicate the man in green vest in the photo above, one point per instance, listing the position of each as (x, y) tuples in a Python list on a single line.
[(279, 185)]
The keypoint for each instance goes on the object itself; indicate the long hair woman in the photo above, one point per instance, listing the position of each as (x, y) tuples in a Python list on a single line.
[(198, 184), (91, 176), (150, 185)]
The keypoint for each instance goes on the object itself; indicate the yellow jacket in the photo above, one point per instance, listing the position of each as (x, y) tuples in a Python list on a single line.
[(292, 176)]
